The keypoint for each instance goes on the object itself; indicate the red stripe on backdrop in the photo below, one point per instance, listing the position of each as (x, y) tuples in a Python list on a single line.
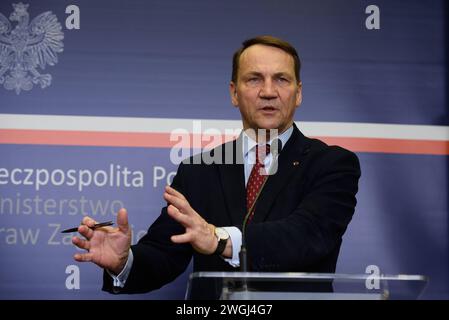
[(162, 140), (378, 145), (109, 139)]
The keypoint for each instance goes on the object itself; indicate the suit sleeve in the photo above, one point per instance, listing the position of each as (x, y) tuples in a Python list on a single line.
[(157, 260), (313, 231)]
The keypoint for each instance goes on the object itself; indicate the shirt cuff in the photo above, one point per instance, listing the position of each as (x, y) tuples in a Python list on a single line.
[(120, 279), (236, 238)]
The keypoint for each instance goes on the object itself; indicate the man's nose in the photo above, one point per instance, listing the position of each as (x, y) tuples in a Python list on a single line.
[(268, 90)]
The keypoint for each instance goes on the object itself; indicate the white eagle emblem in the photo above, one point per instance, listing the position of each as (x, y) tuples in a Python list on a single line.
[(27, 47)]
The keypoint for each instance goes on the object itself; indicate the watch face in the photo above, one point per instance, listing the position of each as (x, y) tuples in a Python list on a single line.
[(221, 233)]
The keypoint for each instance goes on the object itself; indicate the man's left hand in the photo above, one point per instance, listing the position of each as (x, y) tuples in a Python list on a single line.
[(199, 233)]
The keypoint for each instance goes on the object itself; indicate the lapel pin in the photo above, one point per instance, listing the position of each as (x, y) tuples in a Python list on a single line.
[(296, 163)]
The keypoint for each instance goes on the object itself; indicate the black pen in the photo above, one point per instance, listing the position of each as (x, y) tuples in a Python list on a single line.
[(98, 225)]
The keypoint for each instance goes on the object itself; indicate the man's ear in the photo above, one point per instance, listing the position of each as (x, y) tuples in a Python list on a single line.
[(299, 94), (233, 93)]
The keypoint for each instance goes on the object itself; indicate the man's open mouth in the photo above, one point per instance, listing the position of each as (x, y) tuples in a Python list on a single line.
[(269, 108)]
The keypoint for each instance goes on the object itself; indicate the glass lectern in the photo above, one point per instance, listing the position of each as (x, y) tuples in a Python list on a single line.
[(303, 286)]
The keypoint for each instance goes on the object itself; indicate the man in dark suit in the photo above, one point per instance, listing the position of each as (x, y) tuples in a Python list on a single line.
[(297, 215)]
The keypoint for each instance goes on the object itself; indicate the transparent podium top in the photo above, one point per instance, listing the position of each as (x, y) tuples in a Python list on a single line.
[(303, 286)]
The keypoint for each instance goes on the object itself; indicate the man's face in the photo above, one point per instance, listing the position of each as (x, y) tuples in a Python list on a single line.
[(267, 91)]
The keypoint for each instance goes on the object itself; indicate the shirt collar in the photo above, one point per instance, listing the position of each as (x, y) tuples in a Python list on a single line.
[(248, 143)]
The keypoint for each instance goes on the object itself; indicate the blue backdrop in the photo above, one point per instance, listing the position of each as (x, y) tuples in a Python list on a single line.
[(172, 59)]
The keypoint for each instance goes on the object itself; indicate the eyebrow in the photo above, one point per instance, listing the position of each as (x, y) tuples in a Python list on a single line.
[(283, 74), (253, 73), (259, 74)]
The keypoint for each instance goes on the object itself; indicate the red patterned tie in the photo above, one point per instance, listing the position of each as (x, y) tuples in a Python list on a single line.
[(256, 179)]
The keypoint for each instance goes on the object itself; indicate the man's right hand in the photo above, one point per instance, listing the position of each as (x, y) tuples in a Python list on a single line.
[(107, 247)]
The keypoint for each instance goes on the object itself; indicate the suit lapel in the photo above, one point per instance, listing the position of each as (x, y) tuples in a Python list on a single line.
[(232, 177), (233, 183), (289, 162)]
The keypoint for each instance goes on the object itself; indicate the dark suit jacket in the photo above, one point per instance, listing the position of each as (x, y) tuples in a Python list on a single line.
[(299, 220)]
